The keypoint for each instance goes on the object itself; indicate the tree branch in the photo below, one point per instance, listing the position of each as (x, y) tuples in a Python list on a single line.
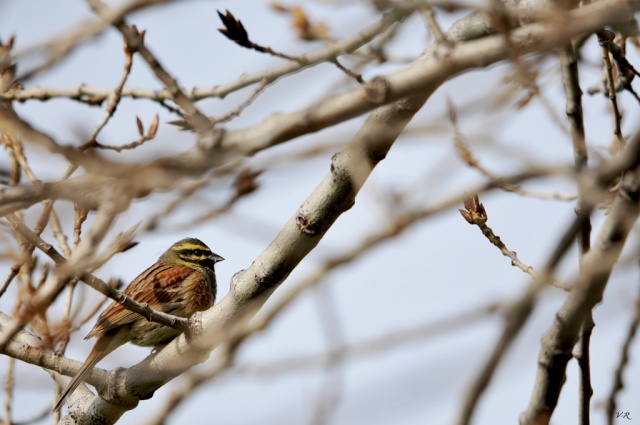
[(425, 75), (250, 288), (558, 342), (99, 285)]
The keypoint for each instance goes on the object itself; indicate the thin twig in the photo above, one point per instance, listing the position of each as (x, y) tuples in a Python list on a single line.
[(186, 192), (546, 391), (467, 156), (89, 315), (56, 227), (618, 382), (81, 215), (116, 95), (244, 184), (372, 346), (8, 390), (332, 388), (515, 318), (229, 344), (28, 248), (59, 47), (605, 37), (150, 135), (97, 284), (475, 214), (234, 30), (349, 72), (523, 75), (241, 107), (430, 17), (135, 41), (573, 94), (13, 272), (558, 342), (97, 95)]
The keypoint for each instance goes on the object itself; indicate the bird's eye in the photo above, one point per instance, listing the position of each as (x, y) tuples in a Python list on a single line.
[(197, 252)]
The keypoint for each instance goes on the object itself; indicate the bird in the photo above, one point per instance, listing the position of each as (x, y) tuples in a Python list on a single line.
[(181, 282)]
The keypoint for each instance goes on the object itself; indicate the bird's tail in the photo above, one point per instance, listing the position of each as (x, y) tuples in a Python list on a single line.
[(103, 346)]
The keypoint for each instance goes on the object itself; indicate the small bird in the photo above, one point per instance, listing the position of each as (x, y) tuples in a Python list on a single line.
[(181, 283)]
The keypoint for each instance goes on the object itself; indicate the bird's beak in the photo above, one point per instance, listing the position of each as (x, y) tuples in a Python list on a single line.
[(216, 258)]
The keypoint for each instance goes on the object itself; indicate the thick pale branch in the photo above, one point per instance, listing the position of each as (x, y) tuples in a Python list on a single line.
[(403, 93), (29, 348), (335, 194), (425, 75), (430, 73), (251, 287)]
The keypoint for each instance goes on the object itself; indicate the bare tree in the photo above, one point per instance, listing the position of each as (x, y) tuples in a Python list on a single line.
[(194, 164)]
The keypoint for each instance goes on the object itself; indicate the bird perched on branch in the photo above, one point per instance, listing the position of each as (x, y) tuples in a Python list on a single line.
[(180, 283)]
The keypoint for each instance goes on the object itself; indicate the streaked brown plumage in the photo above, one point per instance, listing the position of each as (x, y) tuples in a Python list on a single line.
[(181, 283)]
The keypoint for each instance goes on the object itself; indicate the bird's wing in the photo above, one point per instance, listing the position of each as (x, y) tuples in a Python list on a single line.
[(159, 285)]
